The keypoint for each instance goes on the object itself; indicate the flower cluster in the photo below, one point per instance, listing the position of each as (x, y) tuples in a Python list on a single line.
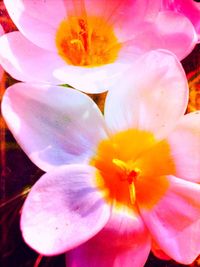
[(125, 183)]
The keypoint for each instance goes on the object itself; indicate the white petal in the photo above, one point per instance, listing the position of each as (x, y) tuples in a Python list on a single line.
[(174, 222), (151, 97), (185, 147), (63, 210), (54, 125)]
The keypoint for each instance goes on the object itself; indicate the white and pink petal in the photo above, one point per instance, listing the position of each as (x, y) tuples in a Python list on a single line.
[(54, 125), (124, 241), (98, 79), (63, 210), (37, 20), (169, 30), (174, 222), (189, 8), (152, 96), (27, 62), (158, 252), (124, 16), (185, 147)]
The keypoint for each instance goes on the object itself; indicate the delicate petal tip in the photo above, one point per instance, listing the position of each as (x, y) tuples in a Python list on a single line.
[(189, 8), (58, 125), (175, 219), (158, 252), (177, 33), (169, 30), (22, 59), (124, 241), (63, 210), (93, 254), (153, 102), (37, 20), (184, 141)]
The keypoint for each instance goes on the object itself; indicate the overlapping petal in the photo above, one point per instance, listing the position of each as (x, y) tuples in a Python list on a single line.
[(54, 125), (152, 97), (137, 25), (189, 8), (41, 29), (124, 241), (158, 252), (169, 30), (22, 59), (185, 147), (125, 16), (37, 20), (174, 222), (57, 126), (63, 210), (26, 61)]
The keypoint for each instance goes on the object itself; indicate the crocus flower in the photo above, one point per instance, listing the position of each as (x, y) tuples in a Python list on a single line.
[(88, 44), (189, 8), (114, 184)]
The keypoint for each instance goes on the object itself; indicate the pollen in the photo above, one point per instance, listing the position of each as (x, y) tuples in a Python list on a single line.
[(87, 41), (129, 175), (133, 167)]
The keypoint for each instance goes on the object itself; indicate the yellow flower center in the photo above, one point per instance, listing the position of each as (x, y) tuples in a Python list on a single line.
[(87, 41), (132, 167)]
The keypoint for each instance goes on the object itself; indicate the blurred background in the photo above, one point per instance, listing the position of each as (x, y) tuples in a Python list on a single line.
[(18, 174)]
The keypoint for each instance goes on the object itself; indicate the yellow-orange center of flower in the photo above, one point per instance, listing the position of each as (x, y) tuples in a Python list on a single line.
[(132, 167), (87, 41)]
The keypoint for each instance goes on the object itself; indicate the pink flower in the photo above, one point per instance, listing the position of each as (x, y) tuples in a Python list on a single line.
[(190, 8), (116, 184), (88, 44)]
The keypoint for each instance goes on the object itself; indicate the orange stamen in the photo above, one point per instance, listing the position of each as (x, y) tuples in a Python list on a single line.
[(133, 166), (87, 41)]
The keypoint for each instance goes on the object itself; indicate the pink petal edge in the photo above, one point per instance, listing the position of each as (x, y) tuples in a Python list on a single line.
[(184, 141), (175, 220), (124, 241)]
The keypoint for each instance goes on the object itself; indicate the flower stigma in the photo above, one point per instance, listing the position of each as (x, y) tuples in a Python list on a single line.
[(87, 42), (130, 176)]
